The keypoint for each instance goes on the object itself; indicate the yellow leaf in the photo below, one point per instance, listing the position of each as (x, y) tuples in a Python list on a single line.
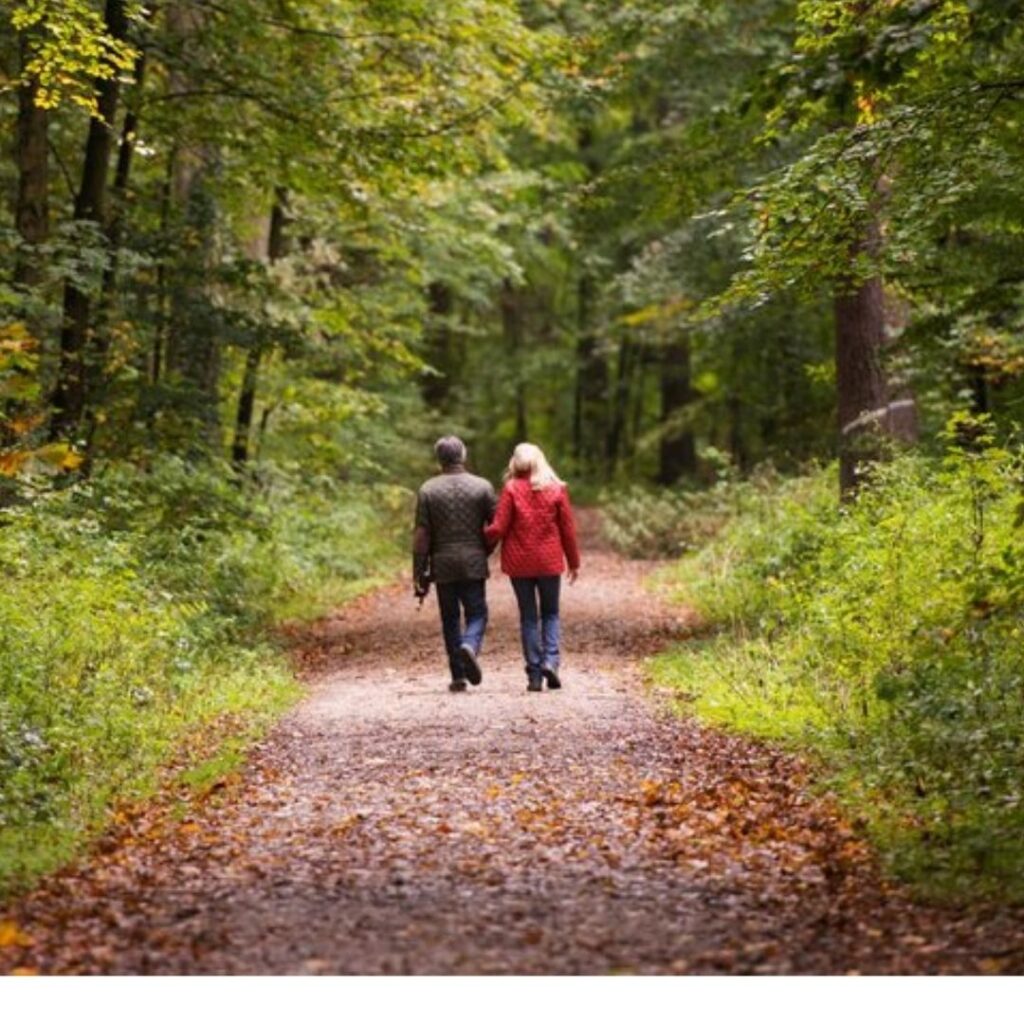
[(25, 972), (12, 935), (60, 455)]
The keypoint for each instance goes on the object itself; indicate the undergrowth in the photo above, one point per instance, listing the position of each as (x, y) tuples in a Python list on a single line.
[(136, 612), (886, 637)]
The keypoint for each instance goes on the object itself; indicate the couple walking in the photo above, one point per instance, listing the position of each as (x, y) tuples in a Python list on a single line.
[(460, 521)]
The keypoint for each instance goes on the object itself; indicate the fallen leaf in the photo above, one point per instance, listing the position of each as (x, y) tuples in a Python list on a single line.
[(12, 935)]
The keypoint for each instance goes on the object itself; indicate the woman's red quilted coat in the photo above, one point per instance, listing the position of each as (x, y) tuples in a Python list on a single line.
[(536, 530)]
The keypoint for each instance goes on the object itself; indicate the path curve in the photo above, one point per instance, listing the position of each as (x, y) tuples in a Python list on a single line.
[(387, 826)]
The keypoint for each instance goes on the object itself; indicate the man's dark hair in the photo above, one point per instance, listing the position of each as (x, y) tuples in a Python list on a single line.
[(450, 451)]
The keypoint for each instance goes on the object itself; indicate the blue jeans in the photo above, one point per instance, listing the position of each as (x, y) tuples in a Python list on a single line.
[(538, 621), (469, 596)]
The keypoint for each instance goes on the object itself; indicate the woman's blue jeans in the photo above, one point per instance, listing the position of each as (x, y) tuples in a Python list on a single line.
[(538, 621)]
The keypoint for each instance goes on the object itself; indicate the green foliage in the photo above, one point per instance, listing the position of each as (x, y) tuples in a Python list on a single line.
[(132, 616), (69, 50), (886, 636), (647, 523)]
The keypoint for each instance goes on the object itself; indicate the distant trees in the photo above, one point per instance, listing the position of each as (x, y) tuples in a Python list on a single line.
[(655, 238)]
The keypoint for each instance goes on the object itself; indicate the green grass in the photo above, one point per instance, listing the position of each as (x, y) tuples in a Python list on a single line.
[(884, 639)]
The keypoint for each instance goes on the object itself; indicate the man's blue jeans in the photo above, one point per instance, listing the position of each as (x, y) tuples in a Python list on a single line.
[(469, 596), (538, 621)]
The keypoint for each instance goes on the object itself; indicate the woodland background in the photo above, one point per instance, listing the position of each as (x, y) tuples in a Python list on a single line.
[(727, 262)]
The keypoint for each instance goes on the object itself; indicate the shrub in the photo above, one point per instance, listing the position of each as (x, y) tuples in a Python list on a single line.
[(887, 636), (134, 613), (646, 523)]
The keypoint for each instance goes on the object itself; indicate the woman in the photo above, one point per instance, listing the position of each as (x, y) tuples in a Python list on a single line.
[(534, 523)]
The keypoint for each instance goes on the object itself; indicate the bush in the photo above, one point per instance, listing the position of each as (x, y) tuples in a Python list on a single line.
[(887, 636), (643, 523), (134, 613)]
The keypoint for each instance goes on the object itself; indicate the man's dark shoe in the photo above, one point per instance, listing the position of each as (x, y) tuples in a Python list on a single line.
[(535, 685), (551, 675), (471, 665), (457, 686)]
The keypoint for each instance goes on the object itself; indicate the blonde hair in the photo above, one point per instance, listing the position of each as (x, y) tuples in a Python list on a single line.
[(529, 460)]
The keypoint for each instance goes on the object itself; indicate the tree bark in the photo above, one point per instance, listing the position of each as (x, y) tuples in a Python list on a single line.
[(860, 383), (32, 207), (276, 249), (70, 393), (512, 329), (437, 387), (620, 405), (678, 450), (591, 390)]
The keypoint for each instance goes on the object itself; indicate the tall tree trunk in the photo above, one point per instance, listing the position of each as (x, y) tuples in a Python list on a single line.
[(192, 350), (32, 207), (70, 393), (860, 383), (512, 329), (620, 405), (163, 299), (95, 371), (276, 249), (443, 358), (678, 451), (246, 405), (639, 388), (591, 392)]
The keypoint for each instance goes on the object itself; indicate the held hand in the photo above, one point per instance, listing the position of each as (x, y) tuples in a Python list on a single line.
[(573, 575)]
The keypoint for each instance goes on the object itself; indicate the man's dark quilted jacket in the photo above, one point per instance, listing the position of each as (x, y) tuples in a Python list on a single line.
[(452, 510)]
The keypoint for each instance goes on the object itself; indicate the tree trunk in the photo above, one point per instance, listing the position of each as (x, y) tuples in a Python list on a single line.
[(591, 380), (163, 297), (636, 421), (620, 405), (678, 451), (437, 387), (32, 209), (512, 329), (276, 249), (246, 405), (860, 383), (70, 393), (95, 370)]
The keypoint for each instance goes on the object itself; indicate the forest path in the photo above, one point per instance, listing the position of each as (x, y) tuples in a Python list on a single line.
[(389, 826)]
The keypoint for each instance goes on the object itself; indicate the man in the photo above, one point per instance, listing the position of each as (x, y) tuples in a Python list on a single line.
[(449, 550)]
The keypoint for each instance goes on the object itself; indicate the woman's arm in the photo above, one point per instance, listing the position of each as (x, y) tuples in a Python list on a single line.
[(499, 528), (567, 531)]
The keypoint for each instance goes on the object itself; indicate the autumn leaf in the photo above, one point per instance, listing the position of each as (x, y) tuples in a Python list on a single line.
[(11, 462), (12, 935), (59, 455)]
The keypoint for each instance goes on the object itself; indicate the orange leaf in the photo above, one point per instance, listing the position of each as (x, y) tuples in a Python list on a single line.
[(11, 462), (12, 935)]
